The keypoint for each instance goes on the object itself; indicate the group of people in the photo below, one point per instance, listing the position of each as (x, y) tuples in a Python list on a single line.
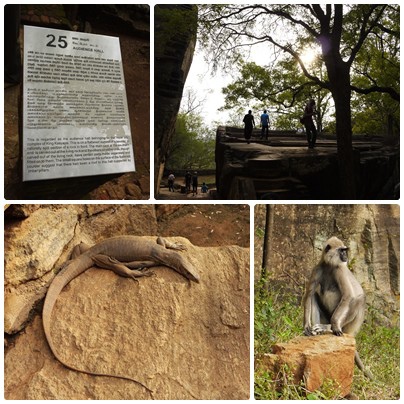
[(249, 124), (306, 120), (190, 180)]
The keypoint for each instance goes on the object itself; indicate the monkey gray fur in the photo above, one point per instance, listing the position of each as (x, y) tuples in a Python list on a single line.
[(334, 300)]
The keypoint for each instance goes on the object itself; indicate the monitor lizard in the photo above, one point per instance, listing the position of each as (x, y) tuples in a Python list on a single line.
[(128, 256)]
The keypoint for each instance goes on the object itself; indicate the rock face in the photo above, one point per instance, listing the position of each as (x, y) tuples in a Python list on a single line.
[(43, 241), (372, 233), (182, 340), (315, 360), (282, 168), (175, 38), (29, 263)]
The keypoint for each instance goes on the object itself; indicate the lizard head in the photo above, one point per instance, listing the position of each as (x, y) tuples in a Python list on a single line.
[(190, 272), (186, 269)]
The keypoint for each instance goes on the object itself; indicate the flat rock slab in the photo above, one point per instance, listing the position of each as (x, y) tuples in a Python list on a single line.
[(316, 360)]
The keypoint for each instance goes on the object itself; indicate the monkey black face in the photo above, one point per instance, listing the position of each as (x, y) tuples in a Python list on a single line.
[(343, 254)]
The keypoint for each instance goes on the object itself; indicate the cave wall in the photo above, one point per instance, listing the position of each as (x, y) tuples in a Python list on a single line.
[(372, 233), (175, 39)]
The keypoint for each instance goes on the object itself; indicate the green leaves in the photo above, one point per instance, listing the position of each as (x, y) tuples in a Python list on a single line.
[(193, 144), (281, 88)]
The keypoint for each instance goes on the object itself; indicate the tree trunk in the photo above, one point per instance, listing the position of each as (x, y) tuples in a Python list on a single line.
[(342, 100), (266, 256), (340, 86)]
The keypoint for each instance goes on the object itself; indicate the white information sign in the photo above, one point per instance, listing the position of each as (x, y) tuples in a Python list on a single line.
[(75, 116)]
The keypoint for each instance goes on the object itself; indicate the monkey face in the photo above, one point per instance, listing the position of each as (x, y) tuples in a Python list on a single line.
[(335, 252), (343, 254)]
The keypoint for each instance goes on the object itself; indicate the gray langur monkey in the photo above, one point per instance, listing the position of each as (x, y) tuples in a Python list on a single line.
[(334, 300)]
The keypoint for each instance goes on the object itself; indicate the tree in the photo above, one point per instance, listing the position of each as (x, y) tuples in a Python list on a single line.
[(192, 146), (279, 88), (341, 31), (378, 65), (190, 102)]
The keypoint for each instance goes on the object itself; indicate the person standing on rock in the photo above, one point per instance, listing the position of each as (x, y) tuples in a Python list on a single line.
[(264, 125), (311, 131), (249, 124)]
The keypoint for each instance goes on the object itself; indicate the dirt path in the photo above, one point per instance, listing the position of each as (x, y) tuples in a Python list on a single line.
[(165, 194), (206, 224)]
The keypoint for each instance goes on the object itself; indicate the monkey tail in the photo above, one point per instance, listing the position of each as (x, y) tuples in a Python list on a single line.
[(361, 366)]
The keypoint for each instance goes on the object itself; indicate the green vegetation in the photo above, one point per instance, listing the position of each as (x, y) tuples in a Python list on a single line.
[(193, 144), (282, 88), (278, 317)]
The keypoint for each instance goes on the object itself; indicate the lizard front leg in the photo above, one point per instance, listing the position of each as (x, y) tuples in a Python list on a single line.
[(172, 246), (79, 249), (107, 262)]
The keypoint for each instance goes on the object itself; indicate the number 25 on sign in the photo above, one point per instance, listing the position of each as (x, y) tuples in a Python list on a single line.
[(61, 41)]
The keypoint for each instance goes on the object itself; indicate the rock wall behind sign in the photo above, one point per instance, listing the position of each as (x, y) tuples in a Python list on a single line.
[(76, 120)]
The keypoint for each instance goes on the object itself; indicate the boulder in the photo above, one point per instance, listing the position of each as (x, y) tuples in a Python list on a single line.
[(315, 360), (174, 49)]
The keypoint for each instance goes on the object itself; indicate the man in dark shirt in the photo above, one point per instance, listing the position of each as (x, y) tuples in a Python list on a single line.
[(249, 124)]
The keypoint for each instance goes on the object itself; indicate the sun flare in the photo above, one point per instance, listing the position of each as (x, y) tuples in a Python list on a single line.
[(308, 56)]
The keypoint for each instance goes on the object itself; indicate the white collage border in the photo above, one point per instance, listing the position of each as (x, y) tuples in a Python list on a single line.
[(152, 199)]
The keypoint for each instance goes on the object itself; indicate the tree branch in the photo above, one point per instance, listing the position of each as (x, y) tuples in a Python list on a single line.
[(377, 89), (364, 32)]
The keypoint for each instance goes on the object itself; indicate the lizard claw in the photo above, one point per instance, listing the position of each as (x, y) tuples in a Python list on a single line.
[(178, 246)]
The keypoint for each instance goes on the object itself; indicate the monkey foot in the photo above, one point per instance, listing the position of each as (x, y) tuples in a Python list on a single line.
[(318, 329)]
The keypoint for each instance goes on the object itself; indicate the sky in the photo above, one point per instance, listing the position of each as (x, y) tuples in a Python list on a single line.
[(208, 87)]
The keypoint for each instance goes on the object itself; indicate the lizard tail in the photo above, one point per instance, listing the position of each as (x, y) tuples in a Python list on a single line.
[(69, 272)]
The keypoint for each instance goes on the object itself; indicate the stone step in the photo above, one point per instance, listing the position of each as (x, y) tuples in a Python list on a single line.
[(280, 188), (260, 188), (260, 183)]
